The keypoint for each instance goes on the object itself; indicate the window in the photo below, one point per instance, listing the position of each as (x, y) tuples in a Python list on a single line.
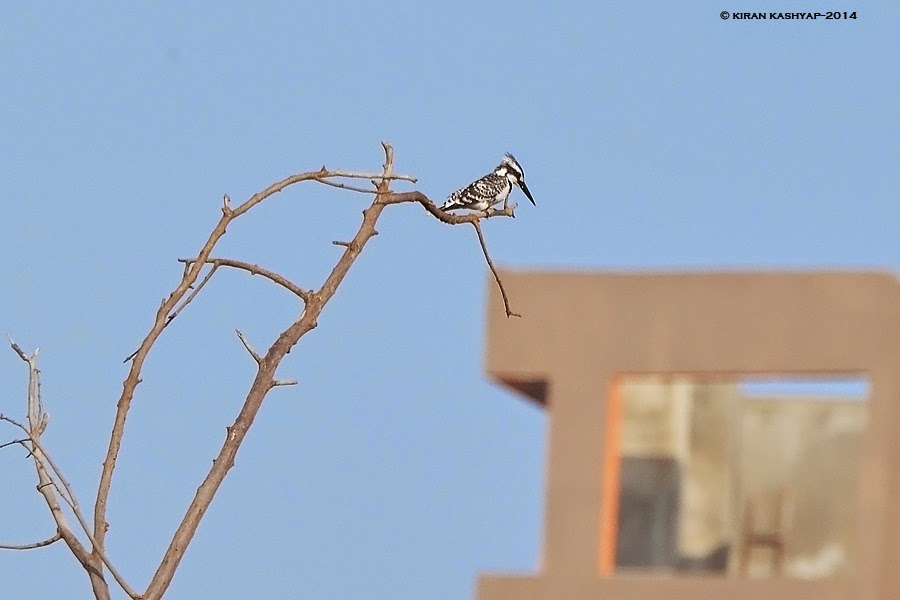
[(748, 476)]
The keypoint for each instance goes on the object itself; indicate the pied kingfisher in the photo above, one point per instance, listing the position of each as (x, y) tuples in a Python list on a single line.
[(491, 189)]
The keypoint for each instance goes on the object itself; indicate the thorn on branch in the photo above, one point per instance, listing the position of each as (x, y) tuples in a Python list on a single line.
[(340, 243), (246, 344), (284, 382)]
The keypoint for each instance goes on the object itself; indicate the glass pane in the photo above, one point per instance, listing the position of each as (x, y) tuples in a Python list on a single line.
[(752, 476)]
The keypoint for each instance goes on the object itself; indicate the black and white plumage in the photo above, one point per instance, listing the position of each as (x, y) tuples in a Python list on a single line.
[(490, 190)]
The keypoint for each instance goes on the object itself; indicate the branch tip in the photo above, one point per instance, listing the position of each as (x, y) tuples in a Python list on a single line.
[(487, 257), (55, 538), (246, 344)]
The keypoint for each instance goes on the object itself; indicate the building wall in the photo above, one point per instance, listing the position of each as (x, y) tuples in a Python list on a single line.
[(580, 332)]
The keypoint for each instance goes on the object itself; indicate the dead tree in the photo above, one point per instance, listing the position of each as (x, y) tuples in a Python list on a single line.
[(86, 537)]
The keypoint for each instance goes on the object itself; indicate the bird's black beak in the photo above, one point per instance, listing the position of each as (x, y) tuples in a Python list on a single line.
[(527, 193)]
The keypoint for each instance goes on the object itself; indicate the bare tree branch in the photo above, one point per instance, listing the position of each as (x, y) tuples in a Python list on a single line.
[(253, 270), (18, 350), (264, 382), (315, 302), (14, 442), (473, 217), (190, 276), (487, 257), (36, 422), (345, 186), (13, 422), (446, 217), (51, 482), (66, 493), (247, 346), (193, 294), (55, 538), (375, 176)]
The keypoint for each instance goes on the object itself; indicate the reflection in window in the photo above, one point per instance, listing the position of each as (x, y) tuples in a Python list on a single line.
[(756, 478)]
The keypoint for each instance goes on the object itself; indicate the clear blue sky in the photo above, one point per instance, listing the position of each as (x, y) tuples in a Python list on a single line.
[(654, 135)]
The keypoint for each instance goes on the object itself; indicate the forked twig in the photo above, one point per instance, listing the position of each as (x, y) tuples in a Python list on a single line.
[(254, 270), (194, 293), (20, 442), (52, 479)]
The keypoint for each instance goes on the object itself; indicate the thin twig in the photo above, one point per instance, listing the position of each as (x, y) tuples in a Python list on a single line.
[(55, 538), (246, 344), (12, 421), (193, 294), (254, 270), (487, 257), (340, 243), (284, 382), (15, 442), (18, 350), (66, 493), (358, 175), (344, 186)]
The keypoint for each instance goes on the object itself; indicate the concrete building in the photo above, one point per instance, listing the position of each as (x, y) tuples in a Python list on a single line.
[(663, 479)]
